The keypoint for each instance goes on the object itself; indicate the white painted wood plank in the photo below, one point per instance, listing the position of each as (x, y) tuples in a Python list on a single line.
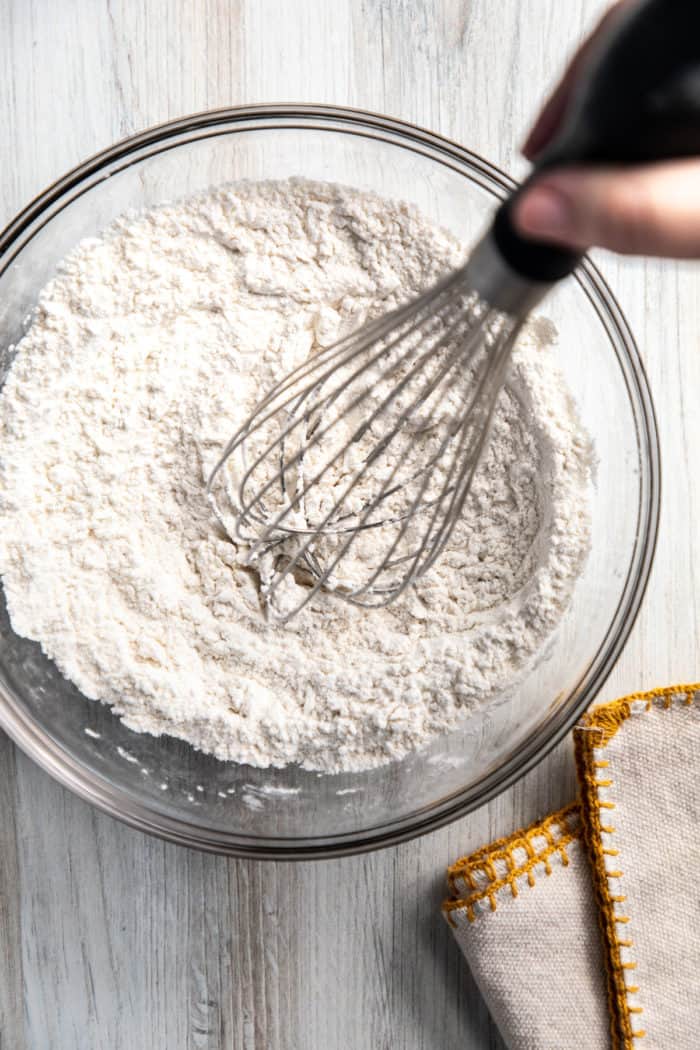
[(12, 1031), (121, 941)]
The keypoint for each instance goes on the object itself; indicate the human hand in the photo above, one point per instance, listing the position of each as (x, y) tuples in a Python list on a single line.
[(650, 209)]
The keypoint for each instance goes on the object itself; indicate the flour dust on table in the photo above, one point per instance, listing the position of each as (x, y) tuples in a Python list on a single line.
[(148, 349)]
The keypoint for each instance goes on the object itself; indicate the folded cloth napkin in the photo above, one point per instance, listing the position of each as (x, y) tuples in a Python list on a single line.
[(583, 930)]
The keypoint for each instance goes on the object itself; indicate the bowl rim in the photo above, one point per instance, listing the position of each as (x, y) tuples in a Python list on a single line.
[(92, 787)]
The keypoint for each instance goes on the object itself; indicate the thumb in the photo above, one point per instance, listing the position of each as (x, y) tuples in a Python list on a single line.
[(648, 210)]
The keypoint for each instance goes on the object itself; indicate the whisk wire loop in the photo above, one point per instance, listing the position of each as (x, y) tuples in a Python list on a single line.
[(351, 474), (327, 402)]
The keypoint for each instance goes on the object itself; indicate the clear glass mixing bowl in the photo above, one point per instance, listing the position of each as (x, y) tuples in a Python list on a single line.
[(164, 786)]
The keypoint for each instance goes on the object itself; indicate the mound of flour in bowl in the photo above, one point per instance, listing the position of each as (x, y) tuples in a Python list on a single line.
[(147, 350)]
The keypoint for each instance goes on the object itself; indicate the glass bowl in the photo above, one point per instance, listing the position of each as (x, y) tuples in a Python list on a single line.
[(162, 785)]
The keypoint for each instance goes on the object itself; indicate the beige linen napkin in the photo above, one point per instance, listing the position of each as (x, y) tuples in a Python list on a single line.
[(583, 930)]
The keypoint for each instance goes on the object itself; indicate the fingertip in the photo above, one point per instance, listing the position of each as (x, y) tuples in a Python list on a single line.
[(543, 212), (538, 137), (529, 147)]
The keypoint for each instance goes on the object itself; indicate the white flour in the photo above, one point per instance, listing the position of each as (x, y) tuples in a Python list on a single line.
[(147, 350)]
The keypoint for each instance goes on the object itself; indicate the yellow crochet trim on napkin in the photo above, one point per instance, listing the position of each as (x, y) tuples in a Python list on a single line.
[(597, 785), (475, 882)]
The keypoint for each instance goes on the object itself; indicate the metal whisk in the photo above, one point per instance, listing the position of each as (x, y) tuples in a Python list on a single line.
[(368, 449), (352, 473)]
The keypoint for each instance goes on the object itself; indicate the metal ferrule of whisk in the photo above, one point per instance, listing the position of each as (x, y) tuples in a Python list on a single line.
[(497, 283)]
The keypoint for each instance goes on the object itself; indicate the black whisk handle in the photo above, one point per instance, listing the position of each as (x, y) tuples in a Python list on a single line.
[(533, 260)]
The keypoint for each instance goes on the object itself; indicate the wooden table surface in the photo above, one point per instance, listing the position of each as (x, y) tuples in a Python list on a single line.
[(110, 939)]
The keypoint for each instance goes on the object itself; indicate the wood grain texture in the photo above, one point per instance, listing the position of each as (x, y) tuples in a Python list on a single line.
[(12, 1032), (110, 940)]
